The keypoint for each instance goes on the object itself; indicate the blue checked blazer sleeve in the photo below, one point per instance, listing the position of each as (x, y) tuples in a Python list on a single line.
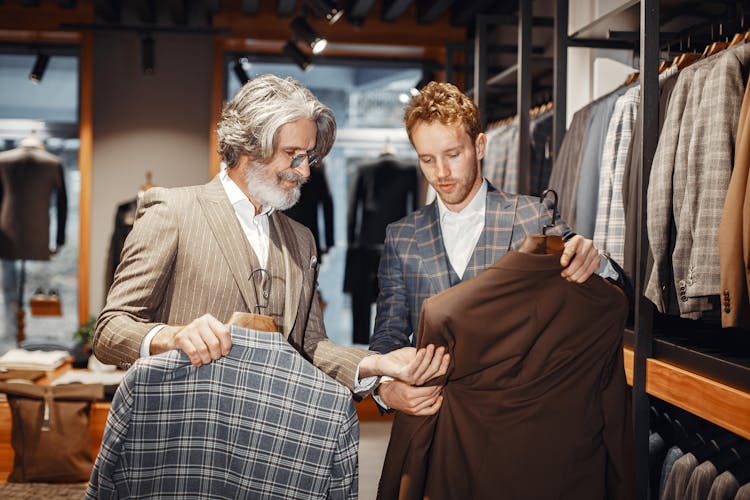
[(393, 326)]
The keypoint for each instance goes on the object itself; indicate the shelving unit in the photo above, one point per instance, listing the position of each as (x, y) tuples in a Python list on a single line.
[(678, 369)]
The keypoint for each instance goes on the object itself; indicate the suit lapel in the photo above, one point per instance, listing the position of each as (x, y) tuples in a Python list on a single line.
[(431, 248), (499, 218), (225, 227), (292, 271)]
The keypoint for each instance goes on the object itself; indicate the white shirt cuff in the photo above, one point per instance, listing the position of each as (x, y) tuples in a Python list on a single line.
[(146, 342), (377, 398), (367, 384)]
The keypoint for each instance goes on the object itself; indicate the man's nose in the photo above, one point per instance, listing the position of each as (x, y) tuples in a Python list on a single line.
[(442, 169), (303, 168)]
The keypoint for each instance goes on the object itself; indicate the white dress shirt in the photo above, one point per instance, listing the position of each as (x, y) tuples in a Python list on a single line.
[(461, 230)]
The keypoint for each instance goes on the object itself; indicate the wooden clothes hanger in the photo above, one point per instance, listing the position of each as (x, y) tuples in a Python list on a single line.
[(713, 48), (149, 181), (738, 37), (685, 59), (544, 244)]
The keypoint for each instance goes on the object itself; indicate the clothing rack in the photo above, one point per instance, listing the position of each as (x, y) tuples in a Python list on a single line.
[(675, 369)]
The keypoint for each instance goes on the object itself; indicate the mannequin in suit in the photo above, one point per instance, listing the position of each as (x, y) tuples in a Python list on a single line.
[(466, 229), (385, 190), (29, 176), (315, 195), (193, 256)]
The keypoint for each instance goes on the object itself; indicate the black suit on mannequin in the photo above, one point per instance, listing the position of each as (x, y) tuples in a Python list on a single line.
[(315, 193), (385, 190)]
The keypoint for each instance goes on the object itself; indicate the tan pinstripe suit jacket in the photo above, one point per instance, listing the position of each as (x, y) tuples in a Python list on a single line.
[(187, 256)]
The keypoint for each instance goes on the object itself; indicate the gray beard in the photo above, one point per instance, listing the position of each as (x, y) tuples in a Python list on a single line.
[(265, 189)]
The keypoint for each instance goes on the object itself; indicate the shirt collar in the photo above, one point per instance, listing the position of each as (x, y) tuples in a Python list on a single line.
[(475, 207), (235, 194)]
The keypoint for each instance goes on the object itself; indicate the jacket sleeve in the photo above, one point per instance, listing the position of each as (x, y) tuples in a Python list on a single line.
[(62, 207), (392, 324), (104, 482), (141, 281), (344, 474)]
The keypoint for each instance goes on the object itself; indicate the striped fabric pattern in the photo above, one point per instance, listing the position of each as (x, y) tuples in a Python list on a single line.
[(414, 265), (187, 256), (261, 422)]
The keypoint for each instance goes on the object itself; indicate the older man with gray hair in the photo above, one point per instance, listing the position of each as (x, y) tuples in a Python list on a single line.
[(198, 254)]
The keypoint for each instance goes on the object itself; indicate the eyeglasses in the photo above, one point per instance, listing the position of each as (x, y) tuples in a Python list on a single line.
[(312, 160)]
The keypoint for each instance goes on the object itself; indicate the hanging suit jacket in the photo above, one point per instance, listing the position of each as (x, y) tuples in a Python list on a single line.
[(28, 177), (695, 185), (260, 422), (385, 190), (535, 403), (734, 231), (415, 266), (123, 224), (187, 256), (315, 194)]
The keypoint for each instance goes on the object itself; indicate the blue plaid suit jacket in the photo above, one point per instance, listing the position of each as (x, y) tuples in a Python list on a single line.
[(261, 422), (414, 264)]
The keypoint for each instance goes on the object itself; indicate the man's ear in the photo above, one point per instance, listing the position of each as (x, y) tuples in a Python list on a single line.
[(480, 145)]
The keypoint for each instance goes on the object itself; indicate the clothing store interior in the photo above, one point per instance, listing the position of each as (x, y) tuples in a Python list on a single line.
[(629, 118)]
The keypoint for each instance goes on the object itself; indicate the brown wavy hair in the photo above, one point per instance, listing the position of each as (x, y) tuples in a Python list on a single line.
[(444, 103)]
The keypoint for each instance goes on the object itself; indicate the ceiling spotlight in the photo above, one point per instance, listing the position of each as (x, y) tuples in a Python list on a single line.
[(40, 65), (328, 9), (147, 54), (292, 51), (239, 71), (304, 32)]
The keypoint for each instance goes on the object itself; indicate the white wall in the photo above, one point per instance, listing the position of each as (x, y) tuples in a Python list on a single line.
[(593, 72), (159, 122)]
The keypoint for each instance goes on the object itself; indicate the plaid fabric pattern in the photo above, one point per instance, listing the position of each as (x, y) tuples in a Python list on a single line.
[(699, 181), (260, 422), (609, 233), (500, 164), (414, 265)]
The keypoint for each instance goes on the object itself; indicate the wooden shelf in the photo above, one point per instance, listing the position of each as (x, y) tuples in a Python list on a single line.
[(709, 399)]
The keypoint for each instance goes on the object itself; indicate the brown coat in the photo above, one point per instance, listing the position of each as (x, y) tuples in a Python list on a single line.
[(28, 177), (734, 231), (535, 403)]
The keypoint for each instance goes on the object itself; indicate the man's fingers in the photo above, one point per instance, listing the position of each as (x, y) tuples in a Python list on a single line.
[(434, 368)]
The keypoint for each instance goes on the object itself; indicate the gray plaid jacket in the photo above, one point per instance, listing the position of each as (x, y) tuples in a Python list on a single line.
[(261, 422), (414, 264), (689, 182)]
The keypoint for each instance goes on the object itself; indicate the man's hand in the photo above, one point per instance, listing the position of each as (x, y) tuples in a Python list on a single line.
[(204, 340), (580, 259), (410, 365), (421, 401)]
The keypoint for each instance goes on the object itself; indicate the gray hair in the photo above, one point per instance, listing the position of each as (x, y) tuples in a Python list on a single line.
[(250, 121)]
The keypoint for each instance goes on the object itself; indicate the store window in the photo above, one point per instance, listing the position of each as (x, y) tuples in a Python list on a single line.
[(44, 116)]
